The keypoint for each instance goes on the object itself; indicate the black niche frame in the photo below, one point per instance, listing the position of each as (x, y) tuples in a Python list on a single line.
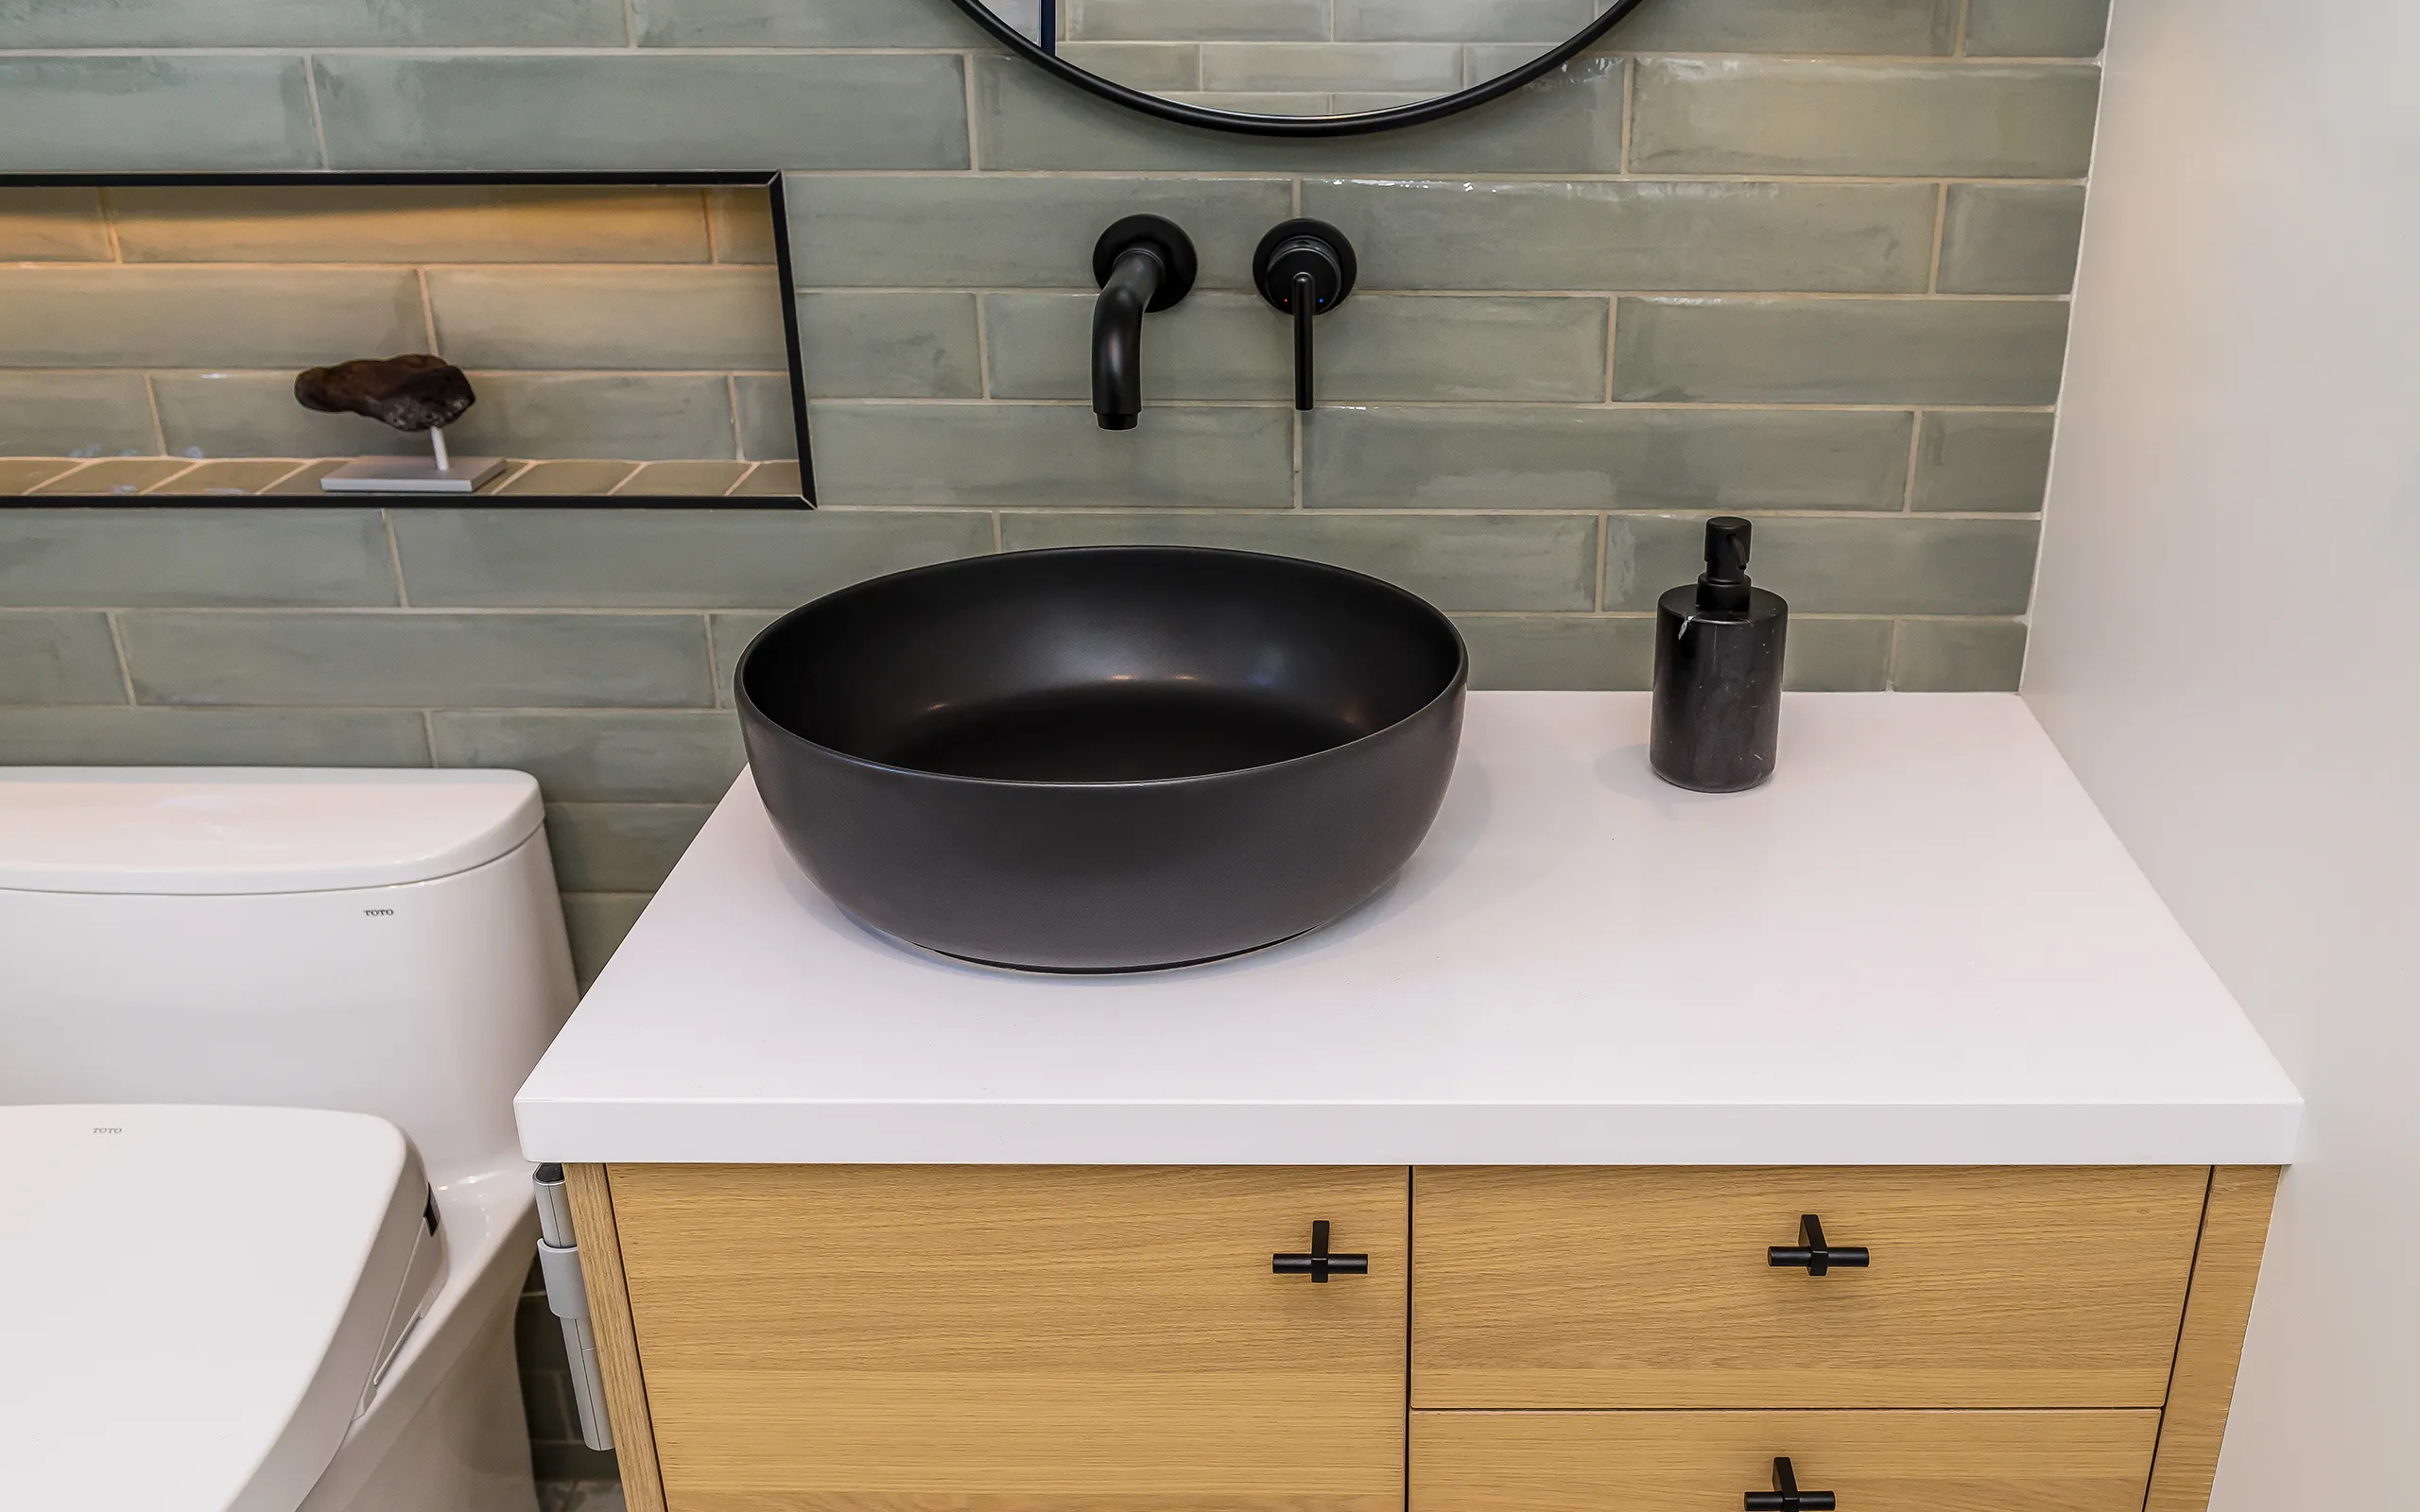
[(1243, 124), (767, 180)]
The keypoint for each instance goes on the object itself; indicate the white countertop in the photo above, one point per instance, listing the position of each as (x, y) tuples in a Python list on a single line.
[(1919, 944)]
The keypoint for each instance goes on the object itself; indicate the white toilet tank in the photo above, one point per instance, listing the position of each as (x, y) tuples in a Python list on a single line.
[(385, 942)]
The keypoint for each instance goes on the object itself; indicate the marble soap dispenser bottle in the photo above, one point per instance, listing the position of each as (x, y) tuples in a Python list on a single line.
[(1716, 712)]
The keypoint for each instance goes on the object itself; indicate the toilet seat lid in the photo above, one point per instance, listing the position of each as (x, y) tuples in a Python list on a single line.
[(192, 1299)]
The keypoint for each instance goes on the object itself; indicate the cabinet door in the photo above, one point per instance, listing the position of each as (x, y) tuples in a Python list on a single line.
[(968, 1338), (1650, 1288), (1708, 1461)]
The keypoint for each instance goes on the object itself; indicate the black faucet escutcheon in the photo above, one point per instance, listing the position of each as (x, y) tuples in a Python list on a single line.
[(1143, 264)]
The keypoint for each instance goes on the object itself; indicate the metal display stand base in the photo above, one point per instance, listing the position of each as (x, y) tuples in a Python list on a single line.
[(411, 475)]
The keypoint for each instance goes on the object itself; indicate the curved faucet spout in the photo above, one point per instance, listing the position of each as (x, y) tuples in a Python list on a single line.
[(1117, 337)]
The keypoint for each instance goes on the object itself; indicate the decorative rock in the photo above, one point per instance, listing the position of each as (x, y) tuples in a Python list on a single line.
[(413, 392)]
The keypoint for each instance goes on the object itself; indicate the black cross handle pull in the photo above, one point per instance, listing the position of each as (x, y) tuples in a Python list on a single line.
[(1318, 1265), (1786, 1497), (1818, 1256)]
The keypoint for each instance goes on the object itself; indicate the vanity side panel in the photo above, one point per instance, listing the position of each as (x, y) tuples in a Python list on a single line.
[(617, 1342), (2235, 1229)]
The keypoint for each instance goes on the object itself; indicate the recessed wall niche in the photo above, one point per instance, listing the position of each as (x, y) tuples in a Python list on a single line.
[(625, 339)]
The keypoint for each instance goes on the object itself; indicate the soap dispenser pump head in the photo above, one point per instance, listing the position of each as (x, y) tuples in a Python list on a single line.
[(1725, 586)]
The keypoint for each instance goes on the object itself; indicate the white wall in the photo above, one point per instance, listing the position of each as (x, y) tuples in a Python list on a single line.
[(2226, 637)]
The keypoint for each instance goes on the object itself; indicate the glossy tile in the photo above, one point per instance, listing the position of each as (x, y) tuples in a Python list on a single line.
[(596, 922), (113, 476), (166, 23), (120, 113), (233, 477), (767, 417), (1502, 21), (1570, 122), (1809, 116), (1191, 20), (1877, 351), (2036, 28), (635, 756), (981, 232), (665, 558), (640, 416), (788, 24), (1892, 565), (418, 660), (1431, 233), (1550, 651), (623, 318), (50, 225), (93, 736), (1836, 655), (705, 111), (79, 316), (1983, 461), (695, 480), (2011, 238), (1959, 656), (1464, 563), (1373, 347), (988, 455), (19, 475), (889, 346), (731, 634), (620, 847), (742, 222), (1547, 457), (567, 477), (57, 657), (255, 414), (197, 556), (75, 414), (769, 480), (453, 223), (1896, 28)]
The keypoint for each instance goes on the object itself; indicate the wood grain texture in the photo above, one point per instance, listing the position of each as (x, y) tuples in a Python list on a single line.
[(617, 1352), (2235, 1229), (999, 1339), (1704, 1460), (1648, 1288)]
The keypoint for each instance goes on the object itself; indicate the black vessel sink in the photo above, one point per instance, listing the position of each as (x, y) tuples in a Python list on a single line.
[(1107, 759)]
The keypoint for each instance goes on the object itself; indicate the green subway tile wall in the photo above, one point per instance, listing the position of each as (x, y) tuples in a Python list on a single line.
[(1805, 262)]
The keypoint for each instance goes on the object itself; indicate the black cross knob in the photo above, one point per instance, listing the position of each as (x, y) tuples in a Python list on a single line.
[(1318, 1265), (1786, 1497), (1811, 1252)]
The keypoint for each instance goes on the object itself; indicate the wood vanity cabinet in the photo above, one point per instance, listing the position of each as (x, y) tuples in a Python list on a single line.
[(1565, 1340)]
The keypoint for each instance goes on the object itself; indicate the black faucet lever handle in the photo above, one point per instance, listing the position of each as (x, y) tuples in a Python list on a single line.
[(1305, 269)]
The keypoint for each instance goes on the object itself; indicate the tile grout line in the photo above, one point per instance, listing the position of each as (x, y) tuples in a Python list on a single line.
[(1940, 237), (738, 438), (427, 312), (394, 558), (124, 668), (1629, 87), (983, 343), (159, 430), (311, 90), (1597, 595), (1916, 459), (428, 733), (974, 134), (1965, 14)]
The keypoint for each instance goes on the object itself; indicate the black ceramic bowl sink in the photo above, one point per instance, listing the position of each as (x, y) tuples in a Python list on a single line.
[(1105, 759)]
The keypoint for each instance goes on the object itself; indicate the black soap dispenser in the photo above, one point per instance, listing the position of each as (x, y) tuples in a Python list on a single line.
[(1718, 672)]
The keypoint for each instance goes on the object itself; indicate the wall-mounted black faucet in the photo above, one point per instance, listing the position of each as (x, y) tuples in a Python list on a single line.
[(1144, 263), (1305, 269)]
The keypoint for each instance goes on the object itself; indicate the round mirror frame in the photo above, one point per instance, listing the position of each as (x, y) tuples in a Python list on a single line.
[(1299, 126)]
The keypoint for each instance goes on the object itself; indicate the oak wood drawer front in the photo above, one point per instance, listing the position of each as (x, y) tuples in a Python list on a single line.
[(1012, 1338), (1619, 1288), (1704, 1461)]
